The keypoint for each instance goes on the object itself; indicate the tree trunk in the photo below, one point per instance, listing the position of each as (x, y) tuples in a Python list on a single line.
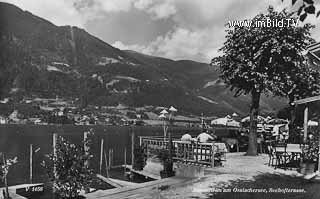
[(254, 109), (292, 132)]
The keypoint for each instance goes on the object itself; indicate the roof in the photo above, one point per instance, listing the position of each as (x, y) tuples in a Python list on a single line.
[(314, 51), (307, 100)]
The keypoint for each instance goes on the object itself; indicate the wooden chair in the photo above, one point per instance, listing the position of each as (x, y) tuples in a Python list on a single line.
[(281, 155), (273, 161)]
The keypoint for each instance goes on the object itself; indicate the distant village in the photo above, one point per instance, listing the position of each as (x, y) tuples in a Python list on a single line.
[(44, 111)]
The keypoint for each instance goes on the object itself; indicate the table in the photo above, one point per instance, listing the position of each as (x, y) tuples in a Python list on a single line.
[(293, 150)]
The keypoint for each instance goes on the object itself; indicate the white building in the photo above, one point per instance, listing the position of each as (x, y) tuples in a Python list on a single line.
[(3, 120)]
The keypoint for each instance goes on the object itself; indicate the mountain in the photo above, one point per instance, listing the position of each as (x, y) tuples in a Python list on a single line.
[(40, 59)]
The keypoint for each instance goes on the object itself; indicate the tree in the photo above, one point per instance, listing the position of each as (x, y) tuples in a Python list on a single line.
[(72, 171), (306, 8), (302, 81), (256, 60)]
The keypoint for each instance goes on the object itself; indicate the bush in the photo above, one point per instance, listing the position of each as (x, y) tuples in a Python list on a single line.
[(72, 171), (167, 164), (139, 158)]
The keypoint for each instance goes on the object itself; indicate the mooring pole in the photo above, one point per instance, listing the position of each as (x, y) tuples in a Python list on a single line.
[(31, 157), (132, 146), (54, 145), (125, 159), (110, 163), (101, 155), (106, 162)]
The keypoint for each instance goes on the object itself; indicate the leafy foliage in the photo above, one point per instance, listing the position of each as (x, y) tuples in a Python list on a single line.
[(5, 166), (266, 59), (311, 150), (164, 156), (255, 58), (72, 171), (139, 158), (306, 8)]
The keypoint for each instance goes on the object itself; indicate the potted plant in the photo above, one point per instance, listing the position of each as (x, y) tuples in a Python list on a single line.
[(167, 164), (309, 157), (139, 158)]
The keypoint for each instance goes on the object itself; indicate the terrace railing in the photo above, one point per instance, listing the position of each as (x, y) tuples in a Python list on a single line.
[(185, 151)]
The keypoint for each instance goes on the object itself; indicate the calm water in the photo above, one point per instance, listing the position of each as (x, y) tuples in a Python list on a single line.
[(16, 139)]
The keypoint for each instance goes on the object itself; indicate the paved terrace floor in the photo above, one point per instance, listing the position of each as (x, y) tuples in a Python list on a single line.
[(237, 168)]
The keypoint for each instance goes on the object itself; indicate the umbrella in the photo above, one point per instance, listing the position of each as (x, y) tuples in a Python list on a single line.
[(172, 109), (226, 122), (277, 121), (164, 111), (312, 123), (247, 119), (235, 115)]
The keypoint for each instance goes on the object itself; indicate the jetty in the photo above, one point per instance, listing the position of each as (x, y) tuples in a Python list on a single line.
[(115, 182), (139, 190)]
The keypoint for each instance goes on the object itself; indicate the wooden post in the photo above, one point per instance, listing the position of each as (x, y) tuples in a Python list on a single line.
[(197, 151), (106, 162), (86, 149), (238, 145), (125, 159), (132, 146), (54, 145), (112, 159), (140, 140), (110, 163), (305, 124), (192, 151), (101, 154), (212, 156), (184, 152), (31, 156), (201, 152), (170, 148)]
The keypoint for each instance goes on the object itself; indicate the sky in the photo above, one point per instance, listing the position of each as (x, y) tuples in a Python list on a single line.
[(175, 29)]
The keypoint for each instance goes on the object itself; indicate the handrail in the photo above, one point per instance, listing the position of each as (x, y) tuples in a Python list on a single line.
[(195, 152)]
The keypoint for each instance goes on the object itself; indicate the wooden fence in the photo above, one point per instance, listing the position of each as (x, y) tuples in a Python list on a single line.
[(185, 151)]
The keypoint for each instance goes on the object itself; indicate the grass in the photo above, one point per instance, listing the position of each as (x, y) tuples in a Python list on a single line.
[(310, 189)]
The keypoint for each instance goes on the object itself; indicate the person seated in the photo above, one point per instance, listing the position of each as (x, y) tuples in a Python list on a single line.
[(186, 137), (204, 137)]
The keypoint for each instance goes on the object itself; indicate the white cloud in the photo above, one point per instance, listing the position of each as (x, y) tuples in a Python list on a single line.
[(199, 31), (135, 47), (179, 44), (162, 10), (143, 4), (158, 9), (115, 5), (196, 27)]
